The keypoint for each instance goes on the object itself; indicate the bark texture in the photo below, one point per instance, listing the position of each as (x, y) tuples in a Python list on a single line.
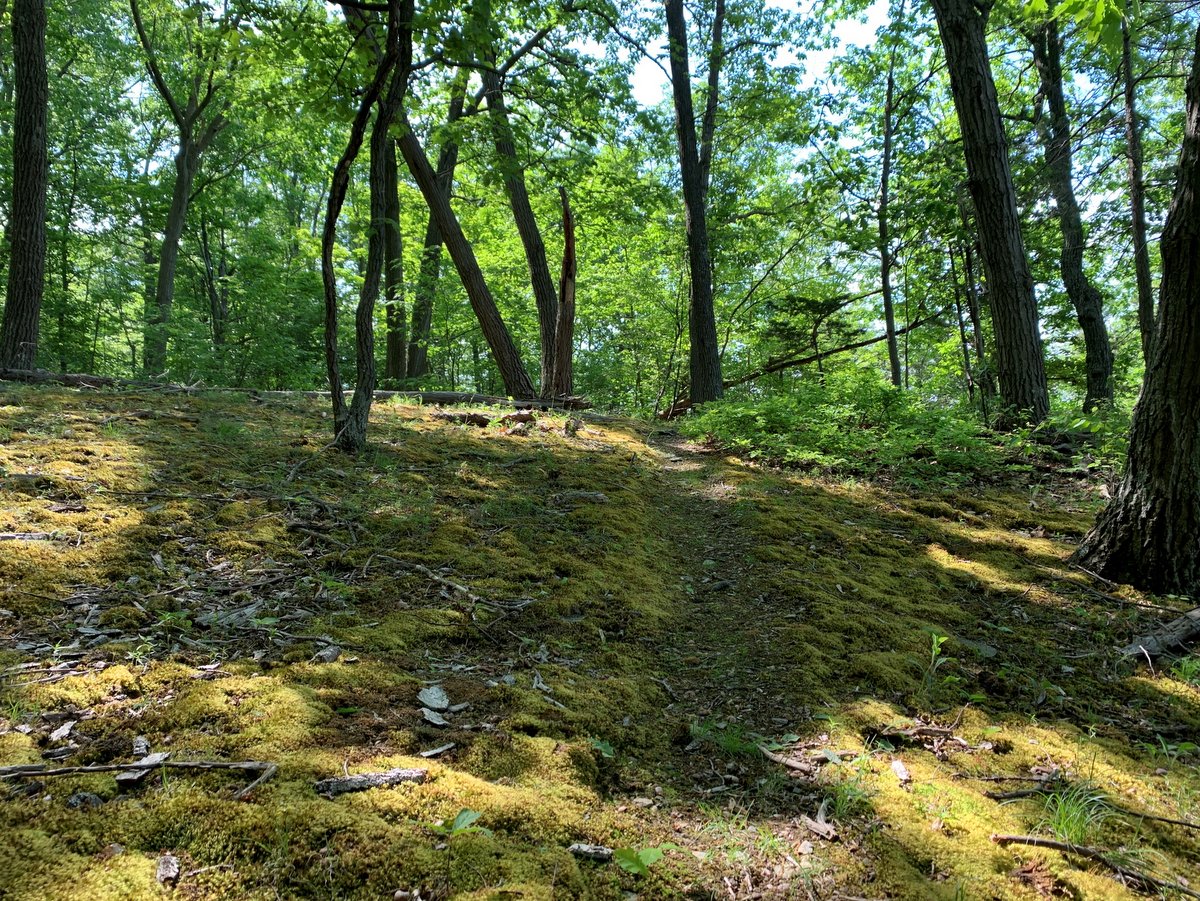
[(27, 227), (694, 167), (563, 382), (1055, 134), (1018, 353), (1149, 535)]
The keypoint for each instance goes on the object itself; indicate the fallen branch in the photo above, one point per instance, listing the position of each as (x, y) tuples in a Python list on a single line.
[(342, 785), (265, 769), (1143, 880), (1175, 633), (27, 536)]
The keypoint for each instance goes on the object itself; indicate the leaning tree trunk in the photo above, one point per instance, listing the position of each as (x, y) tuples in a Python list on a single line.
[(495, 332), (705, 362), (431, 254), (396, 319), (1019, 359), (1137, 198), (27, 227), (1149, 535), (544, 292), (885, 238), (1056, 140)]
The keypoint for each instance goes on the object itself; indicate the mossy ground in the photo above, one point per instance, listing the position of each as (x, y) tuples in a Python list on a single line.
[(622, 658)]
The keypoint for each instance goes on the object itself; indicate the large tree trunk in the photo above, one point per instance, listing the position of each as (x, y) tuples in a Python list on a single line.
[(27, 228), (396, 317), (544, 292), (1149, 535), (705, 368), (1019, 360), (1056, 141), (431, 254), (495, 332), (1137, 198)]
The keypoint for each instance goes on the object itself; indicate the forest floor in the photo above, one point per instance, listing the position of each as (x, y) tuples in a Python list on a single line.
[(750, 683)]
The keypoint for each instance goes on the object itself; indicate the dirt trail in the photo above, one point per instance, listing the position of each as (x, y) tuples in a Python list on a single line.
[(721, 659)]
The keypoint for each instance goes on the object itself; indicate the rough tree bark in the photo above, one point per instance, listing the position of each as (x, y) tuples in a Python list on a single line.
[(1019, 358), (495, 332), (27, 228), (695, 166), (1137, 197), (199, 123), (1149, 535), (350, 421), (1055, 132)]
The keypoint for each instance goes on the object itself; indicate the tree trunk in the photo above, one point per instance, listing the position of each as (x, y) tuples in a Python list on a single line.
[(1019, 359), (544, 292), (215, 285), (1149, 535), (1137, 198), (705, 361), (563, 382), (495, 332), (27, 228), (885, 240), (350, 422), (396, 317), (431, 254), (1056, 143)]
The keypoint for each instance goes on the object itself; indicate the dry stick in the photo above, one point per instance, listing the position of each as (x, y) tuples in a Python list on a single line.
[(1049, 786), (1142, 879), (264, 768)]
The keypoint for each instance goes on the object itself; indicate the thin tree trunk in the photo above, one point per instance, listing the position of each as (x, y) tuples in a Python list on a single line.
[(544, 292), (968, 373), (1056, 142), (1019, 358), (350, 422), (431, 254), (885, 240), (563, 381), (1149, 535), (705, 359), (27, 228), (1137, 198), (396, 317), (504, 351), (215, 286)]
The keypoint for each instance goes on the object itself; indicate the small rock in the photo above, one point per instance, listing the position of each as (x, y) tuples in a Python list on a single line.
[(591, 852), (61, 733), (434, 697), (141, 746), (901, 771), (167, 872), (642, 802), (84, 801), (458, 708), (110, 851), (806, 847)]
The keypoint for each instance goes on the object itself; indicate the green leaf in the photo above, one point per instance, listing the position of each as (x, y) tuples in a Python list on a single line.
[(630, 861), (464, 820)]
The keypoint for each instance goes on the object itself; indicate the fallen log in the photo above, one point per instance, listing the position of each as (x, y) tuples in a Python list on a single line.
[(264, 768), (331, 788), (1175, 633), (83, 380)]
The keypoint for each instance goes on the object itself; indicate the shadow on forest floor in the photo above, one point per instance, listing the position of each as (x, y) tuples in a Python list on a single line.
[(630, 620)]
